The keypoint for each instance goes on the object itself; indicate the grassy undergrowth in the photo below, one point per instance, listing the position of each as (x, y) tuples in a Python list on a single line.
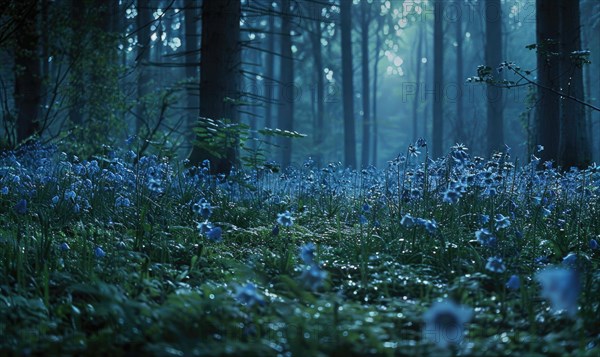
[(123, 255)]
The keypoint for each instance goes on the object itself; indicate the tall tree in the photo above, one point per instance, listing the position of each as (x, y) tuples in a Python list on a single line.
[(270, 64), (75, 55), (419, 64), (219, 74), (27, 73), (365, 21), (144, 21), (548, 102), (286, 101), (493, 58), (378, 43), (348, 83), (460, 79), (316, 36), (438, 79), (191, 59), (574, 144)]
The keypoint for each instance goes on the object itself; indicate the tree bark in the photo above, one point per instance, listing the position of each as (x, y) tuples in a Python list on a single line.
[(143, 20), (375, 90), (460, 80), (438, 80), (191, 61), (574, 144), (316, 37), (288, 89), (548, 104), (415, 107), (493, 58), (347, 83), (27, 70), (366, 101), (219, 74)]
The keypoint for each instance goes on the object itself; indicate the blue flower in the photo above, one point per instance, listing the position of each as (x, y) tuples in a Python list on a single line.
[(215, 234), (70, 195), (495, 264), (55, 200), (155, 185), (484, 219), (445, 323), (21, 206), (594, 244), (122, 202), (202, 208), (407, 221), (485, 238), (285, 219), (451, 196), (501, 222), (307, 253), (204, 227), (64, 247), (513, 283), (561, 287), (570, 260), (99, 252), (313, 277), (366, 208), (362, 219), (430, 225), (248, 295), (4, 190)]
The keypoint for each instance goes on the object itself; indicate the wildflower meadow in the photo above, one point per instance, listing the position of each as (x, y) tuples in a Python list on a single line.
[(463, 255)]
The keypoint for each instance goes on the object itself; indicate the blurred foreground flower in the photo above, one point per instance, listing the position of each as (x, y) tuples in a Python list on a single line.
[(307, 253), (248, 295), (445, 323), (313, 277), (561, 287)]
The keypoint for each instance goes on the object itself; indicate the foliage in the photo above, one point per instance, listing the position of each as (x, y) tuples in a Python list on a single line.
[(125, 254), (217, 137)]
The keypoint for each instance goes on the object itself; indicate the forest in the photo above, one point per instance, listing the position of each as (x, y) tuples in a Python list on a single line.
[(299, 177)]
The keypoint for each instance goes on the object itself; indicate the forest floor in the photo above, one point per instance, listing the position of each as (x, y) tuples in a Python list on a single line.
[(122, 255)]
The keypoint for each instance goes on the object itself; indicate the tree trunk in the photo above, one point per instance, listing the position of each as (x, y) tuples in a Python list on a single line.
[(191, 61), (288, 90), (347, 83), (320, 93), (269, 81), (76, 78), (493, 58), (415, 107), (219, 74), (143, 20), (27, 75), (438, 80), (366, 101), (548, 104), (460, 80), (574, 143), (375, 88)]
